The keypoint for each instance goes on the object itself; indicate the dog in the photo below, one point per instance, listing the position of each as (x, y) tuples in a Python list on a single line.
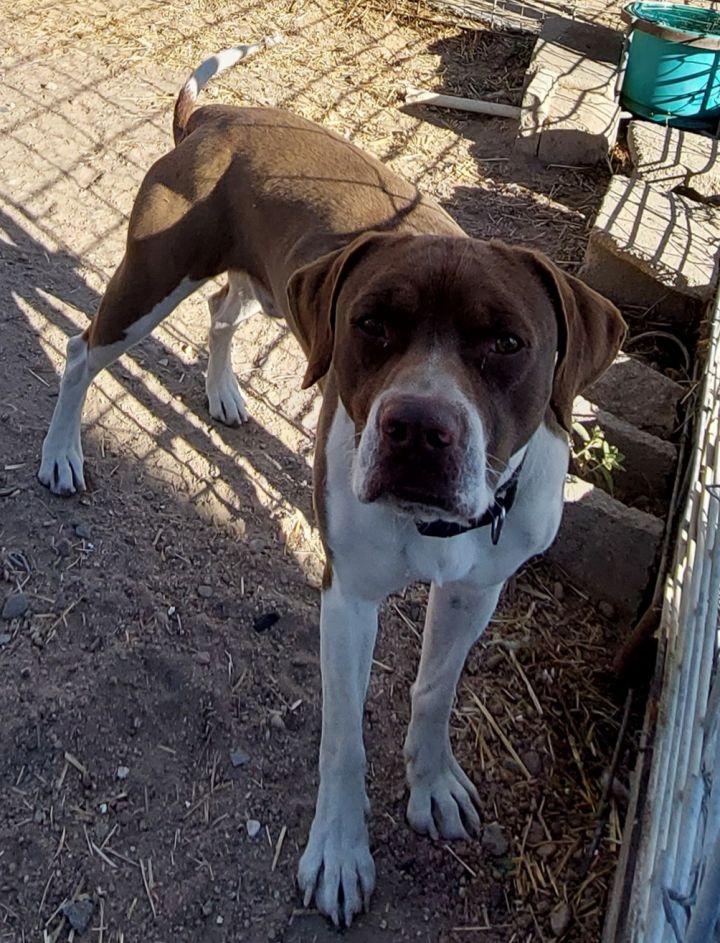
[(448, 367)]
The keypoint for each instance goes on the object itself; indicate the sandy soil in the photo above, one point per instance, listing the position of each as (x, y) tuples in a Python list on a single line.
[(145, 660)]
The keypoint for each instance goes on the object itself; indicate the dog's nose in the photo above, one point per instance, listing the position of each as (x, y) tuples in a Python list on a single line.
[(418, 424)]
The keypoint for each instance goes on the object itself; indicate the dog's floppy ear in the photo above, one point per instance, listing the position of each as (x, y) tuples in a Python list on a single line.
[(590, 332), (312, 293)]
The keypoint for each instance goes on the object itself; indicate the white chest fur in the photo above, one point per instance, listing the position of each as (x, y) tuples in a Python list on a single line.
[(376, 551)]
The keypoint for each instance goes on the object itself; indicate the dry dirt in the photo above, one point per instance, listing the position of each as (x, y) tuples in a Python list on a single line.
[(146, 655)]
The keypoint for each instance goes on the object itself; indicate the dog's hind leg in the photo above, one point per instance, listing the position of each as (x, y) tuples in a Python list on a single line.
[(233, 304), (126, 316)]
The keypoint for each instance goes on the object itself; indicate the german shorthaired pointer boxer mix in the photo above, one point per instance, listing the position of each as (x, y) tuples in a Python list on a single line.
[(448, 366)]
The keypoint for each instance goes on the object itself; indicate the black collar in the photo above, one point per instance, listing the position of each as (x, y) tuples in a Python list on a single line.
[(494, 516)]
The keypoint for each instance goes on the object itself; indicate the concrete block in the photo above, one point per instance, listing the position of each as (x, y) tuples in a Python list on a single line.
[(639, 395), (669, 157), (625, 284), (661, 235), (535, 110), (608, 550), (649, 463), (595, 42), (581, 129), (569, 113)]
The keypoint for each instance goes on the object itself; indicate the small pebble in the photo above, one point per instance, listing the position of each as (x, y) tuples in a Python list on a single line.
[(239, 757), (607, 609), (494, 841), (202, 658), (558, 590), (5, 638), (78, 914), (560, 919), (532, 761), (204, 591), (276, 721), (123, 772), (15, 606), (253, 828), (219, 920), (207, 908), (546, 850), (83, 531), (536, 835), (524, 921)]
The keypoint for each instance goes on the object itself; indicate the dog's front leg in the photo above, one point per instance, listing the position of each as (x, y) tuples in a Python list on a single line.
[(442, 798), (337, 866)]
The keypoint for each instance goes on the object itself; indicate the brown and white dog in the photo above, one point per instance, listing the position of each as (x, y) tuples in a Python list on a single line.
[(449, 368)]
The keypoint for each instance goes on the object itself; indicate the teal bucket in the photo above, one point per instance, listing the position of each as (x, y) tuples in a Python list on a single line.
[(672, 65)]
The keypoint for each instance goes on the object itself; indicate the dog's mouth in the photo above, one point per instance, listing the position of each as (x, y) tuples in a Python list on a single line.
[(416, 501)]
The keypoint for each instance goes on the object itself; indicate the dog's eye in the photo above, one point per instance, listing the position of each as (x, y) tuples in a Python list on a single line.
[(507, 344), (373, 327)]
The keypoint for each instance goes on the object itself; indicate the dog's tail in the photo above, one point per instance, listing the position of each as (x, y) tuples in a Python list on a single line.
[(207, 70)]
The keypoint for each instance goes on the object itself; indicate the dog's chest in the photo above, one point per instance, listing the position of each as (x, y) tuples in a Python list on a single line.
[(378, 551)]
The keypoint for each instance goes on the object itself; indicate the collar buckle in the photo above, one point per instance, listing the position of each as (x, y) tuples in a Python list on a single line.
[(499, 513), (494, 516)]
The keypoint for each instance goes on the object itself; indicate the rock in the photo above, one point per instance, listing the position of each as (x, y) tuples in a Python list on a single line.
[(204, 591), (560, 919), (524, 921), (78, 914), (239, 757), (253, 827), (123, 772), (202, 658), (276, 721), (207, 908), (536, 835), (494, 841), (607, 610), (15, 606), (83, 531), (5, 637), (532, 761), (546, 850), (265, 621)]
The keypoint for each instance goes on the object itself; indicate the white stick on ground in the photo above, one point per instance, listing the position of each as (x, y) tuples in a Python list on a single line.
[(418, 96)]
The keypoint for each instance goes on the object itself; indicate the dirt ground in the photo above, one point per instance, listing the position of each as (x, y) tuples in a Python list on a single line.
[(162, 689)]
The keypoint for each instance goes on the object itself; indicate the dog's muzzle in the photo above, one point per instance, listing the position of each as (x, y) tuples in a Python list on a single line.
[(421, 448)]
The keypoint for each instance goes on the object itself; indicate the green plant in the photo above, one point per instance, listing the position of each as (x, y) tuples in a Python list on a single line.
[(595, 458)]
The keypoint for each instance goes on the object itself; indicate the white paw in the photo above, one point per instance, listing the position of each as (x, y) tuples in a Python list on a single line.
[(443, 801), (225, 400), (337, 867), (61, 468)]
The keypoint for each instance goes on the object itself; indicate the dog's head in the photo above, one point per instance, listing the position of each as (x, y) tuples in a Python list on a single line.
[(448, 354)]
